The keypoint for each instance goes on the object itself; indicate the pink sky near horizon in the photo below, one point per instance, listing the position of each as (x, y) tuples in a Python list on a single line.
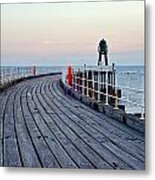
[(71, 29)]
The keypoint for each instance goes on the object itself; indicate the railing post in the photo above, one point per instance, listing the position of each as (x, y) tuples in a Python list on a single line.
[(127, 94), (142, 102), (85, 79), (93, 84), (0, 74), (1, 77), (76, 81), (73, 80), (9, 74), (99, 81), (106, 102), (142, 115), (34, 70), (83, 82), (4, 76), (87, 90), (116, 95), (18, 72)]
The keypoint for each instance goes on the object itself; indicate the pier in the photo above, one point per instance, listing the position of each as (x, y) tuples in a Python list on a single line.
[(41, 125)]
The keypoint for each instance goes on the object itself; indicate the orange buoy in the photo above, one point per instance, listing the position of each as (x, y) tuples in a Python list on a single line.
[(70, 76)]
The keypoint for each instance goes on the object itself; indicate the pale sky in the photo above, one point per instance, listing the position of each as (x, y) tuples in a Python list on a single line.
[(68, 33)]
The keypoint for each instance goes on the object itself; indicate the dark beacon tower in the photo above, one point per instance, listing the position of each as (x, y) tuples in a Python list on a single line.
[(103, 50)]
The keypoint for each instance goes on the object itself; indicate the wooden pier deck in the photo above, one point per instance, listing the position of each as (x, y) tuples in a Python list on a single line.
[(41, 126)]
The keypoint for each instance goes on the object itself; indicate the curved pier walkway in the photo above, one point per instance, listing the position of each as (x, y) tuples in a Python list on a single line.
[(41, 126)]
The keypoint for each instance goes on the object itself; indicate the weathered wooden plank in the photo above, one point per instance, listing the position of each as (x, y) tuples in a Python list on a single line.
[(67, 144), (54, 145), (11, 148), (81, 106), (109, 132), (1, 152), (50, 129), (28, 153), (81, 139), (109, 157), (11, 154), (129, 157), (66, 133), (115, 130), (3, 100), (43, 152), (3, 103), (121, 127)]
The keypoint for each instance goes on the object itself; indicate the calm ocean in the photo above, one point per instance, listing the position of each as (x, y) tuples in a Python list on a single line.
[(134, 79)]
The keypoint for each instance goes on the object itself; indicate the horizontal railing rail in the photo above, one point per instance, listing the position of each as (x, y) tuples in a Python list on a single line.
[(9, 74)]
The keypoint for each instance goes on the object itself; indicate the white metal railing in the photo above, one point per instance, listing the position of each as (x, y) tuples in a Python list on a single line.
[(99, 87), (124, 99), (9, 74)]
